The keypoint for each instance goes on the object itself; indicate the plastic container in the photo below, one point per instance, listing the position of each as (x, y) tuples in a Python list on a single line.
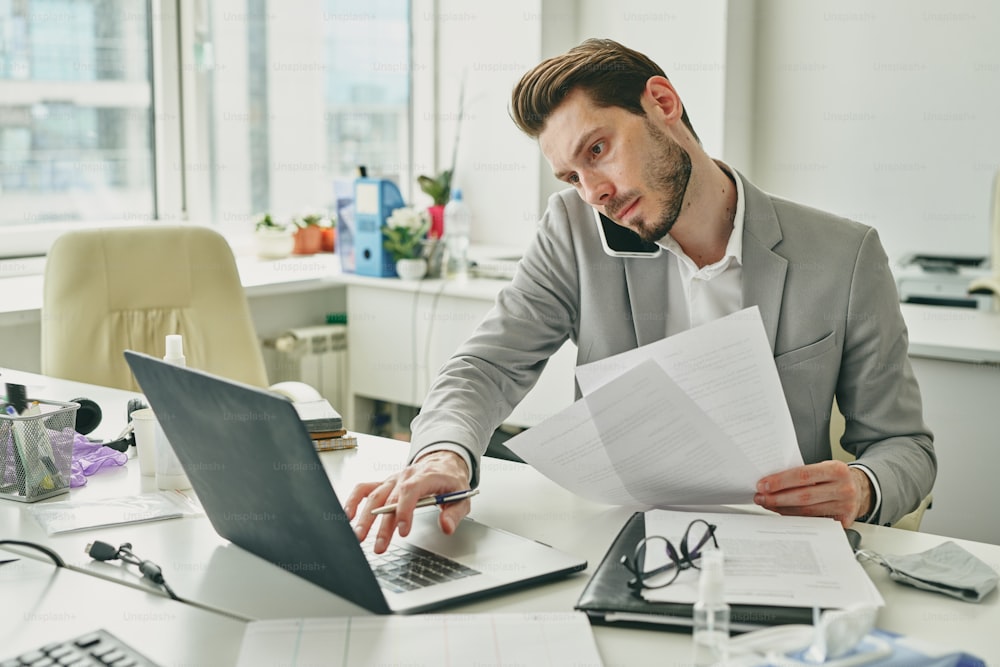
[(169, 472), (710, 631), (457, 227)]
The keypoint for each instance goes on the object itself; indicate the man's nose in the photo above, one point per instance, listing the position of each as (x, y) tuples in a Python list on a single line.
[(597, 189)]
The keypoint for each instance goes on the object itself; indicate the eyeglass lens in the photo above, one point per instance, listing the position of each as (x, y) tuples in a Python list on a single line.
[(659, 561)]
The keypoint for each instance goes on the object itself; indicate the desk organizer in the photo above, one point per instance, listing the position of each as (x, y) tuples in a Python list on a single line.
[(36, 451)]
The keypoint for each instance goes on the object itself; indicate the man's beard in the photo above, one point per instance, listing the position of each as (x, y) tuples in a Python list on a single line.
[(666, 173)]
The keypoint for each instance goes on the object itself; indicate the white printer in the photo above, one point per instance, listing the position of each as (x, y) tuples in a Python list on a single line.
[(941, 280)]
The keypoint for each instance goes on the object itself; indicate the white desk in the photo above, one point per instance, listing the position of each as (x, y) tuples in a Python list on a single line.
[(43, 603), (203, 567)]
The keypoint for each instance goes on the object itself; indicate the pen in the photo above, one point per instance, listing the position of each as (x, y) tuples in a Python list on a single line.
[(439, 499)]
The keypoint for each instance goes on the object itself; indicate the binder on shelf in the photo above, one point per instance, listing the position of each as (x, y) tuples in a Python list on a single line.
[(608, 600)]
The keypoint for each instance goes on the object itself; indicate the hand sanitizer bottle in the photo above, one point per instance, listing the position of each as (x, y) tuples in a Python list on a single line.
[(457, 226), (169, 472), (711, 613)]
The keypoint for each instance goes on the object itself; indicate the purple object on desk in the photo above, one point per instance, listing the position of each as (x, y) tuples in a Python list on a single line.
[(91, 457)]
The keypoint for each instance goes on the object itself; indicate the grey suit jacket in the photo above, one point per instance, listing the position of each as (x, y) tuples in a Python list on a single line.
[(826, 296)]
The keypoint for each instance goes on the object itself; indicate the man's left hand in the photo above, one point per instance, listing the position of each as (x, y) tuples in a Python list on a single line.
[(829, 488)]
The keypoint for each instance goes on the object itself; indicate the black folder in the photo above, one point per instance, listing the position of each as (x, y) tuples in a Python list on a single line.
[(608, 600)]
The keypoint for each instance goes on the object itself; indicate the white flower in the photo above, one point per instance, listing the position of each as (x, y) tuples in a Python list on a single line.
[(409, 218)]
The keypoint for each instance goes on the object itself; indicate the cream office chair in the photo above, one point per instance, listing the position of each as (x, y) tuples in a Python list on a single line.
[(909, 521), (108, 290)]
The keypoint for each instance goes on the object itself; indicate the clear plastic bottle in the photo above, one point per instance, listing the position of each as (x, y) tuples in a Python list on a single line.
[(170, 474), (457, 227), (711, 613)]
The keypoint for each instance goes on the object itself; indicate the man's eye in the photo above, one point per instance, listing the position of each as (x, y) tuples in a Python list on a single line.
[(573, 179), (597, 149)]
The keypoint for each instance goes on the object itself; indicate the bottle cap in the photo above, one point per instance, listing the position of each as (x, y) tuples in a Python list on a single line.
[(456, 194), (175, 347)]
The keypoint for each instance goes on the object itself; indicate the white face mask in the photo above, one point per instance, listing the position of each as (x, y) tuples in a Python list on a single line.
[(946, 568)]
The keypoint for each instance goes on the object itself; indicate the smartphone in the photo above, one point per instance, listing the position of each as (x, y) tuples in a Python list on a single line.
[(619, 241)]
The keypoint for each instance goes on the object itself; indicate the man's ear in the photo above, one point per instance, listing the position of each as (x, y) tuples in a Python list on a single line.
[(660, 98)]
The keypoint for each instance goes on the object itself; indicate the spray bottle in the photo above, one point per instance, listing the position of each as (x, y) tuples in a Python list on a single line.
[(711, 613)]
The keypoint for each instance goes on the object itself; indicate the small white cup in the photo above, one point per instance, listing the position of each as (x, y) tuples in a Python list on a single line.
[(145, 426), (170, 474)]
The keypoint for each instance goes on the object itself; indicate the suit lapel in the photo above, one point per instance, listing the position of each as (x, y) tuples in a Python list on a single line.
[(647, 293), (763, 269)]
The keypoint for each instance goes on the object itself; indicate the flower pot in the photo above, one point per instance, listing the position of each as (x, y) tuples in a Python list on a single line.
[(273, 243), (411, 269), (437, 221), (308, 240), (329, 237)]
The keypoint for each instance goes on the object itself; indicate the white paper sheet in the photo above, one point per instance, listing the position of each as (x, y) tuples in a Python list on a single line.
[(430, 639), (694, 419), (727, 368), (786, 561)]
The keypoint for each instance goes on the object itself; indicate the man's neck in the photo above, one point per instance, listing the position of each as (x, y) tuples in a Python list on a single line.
[(706, 222)]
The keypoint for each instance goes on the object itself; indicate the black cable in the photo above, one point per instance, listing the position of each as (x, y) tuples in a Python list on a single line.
[(148, 569), (40, 547)]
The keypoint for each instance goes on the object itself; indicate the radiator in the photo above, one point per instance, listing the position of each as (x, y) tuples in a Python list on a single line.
[(314, 355)]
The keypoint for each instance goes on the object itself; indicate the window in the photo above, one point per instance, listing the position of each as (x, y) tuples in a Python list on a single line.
[(112, 112), (75, 120), (295, 99)]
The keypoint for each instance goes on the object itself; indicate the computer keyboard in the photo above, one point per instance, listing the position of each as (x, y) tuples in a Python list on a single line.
[(99, 647), (407, 568)]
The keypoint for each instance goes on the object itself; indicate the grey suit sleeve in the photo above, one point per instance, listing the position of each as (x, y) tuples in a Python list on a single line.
[(877, 391), (478, 388)]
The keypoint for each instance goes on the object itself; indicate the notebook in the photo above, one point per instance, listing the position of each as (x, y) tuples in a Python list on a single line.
[(607, 599), (261, 483)]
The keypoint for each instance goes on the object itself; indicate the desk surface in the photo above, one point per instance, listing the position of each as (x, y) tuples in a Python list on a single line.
[(203, 567), (43, 604)]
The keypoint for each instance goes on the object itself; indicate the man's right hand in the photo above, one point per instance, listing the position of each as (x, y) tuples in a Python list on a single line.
[(432, 474)]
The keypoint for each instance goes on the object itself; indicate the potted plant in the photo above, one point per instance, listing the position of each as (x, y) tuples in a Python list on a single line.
[(439, 189), (308, 234), (273, 239), (403, 237)]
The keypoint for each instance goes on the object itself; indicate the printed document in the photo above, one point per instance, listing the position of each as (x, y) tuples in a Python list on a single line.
[(429, 639), (785, 561), (693, 419)]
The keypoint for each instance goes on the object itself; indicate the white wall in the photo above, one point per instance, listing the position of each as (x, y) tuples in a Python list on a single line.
[(886, 112)]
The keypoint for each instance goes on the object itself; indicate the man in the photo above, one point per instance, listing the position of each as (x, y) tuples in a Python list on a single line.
[(612, 126)]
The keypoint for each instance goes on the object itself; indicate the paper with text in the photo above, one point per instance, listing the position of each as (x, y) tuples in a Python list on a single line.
[(726, 366), (429, 639), (689, 420), (785, 561)]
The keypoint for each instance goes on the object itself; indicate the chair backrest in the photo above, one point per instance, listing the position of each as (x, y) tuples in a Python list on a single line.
[(112, 289)]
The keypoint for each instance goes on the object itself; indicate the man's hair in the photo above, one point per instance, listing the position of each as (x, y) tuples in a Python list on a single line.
[(611, 74)]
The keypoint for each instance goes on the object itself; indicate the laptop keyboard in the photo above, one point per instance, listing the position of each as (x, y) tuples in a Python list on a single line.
[(99, 647), (407, 568)]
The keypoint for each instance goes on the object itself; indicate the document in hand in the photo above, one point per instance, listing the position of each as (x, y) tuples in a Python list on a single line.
[(693, 419), (777, 569)]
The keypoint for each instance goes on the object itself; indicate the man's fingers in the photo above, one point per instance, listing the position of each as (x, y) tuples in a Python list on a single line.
[(358, 493), (452, 514)]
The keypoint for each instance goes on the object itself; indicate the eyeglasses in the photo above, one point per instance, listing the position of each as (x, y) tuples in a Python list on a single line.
[(692, 545)]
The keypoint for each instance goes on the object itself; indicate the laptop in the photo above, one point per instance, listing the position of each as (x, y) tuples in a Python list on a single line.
[(262, 485)]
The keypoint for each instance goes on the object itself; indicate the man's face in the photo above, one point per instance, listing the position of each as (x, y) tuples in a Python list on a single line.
[(621, 164)]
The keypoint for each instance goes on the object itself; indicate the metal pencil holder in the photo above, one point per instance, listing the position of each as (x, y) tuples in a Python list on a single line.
[(36, 451)]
